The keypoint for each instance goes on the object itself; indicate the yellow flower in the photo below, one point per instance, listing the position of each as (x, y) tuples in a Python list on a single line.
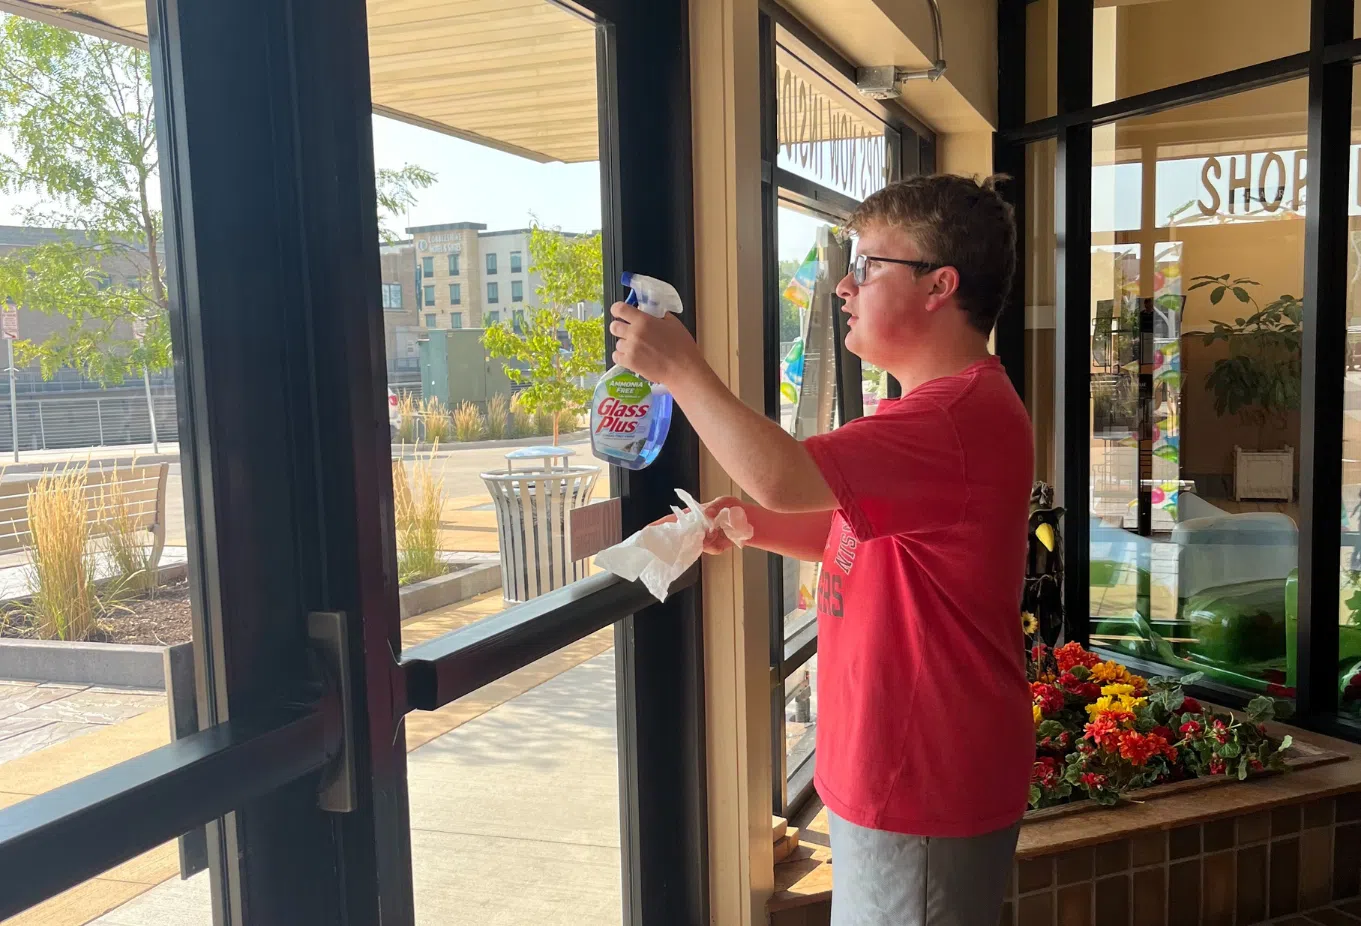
[(1110, 672), (1039, 715), (1115, 701), (1029, 623)]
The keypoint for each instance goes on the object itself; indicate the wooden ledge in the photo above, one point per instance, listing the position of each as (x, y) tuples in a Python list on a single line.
[(806, 877)]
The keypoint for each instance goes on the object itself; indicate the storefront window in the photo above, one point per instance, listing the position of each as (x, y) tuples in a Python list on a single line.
[(1037, 278), (1197, 256), (1137, 47), (826, 136), (1349, 610)]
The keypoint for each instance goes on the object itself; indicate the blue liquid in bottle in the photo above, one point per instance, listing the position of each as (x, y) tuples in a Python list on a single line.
[(630, 417)]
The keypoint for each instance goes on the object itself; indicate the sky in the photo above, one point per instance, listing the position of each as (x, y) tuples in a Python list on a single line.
[(475, 183)]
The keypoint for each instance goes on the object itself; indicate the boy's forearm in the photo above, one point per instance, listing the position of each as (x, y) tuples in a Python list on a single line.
[(800, 535), (759, 455)]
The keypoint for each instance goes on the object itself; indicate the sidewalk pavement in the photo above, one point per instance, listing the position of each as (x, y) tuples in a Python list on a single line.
[(519, 768)]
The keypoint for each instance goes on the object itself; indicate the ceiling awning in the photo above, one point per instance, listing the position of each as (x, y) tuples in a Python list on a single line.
[(516, 75)]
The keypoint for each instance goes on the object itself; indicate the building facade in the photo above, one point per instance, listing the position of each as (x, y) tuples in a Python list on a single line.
[(455, 275)]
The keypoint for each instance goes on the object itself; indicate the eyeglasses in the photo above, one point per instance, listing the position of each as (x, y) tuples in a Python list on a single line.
[(862, 262)]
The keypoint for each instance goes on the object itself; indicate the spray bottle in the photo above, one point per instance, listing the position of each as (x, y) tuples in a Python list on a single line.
[(629, 415)]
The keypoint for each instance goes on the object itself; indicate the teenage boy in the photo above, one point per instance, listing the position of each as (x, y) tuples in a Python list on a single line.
[(918, 515)]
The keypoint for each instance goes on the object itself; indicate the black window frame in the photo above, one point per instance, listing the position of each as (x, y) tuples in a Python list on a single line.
[(491, 262), (428, 294), (456, 294), (454, 263), (911, 150), (517, 291), (493, 292), (428, 267), (517, 263), (280, 201), (1327, 65)]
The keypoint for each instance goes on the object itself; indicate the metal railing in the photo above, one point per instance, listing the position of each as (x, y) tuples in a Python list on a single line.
[(93, 421)]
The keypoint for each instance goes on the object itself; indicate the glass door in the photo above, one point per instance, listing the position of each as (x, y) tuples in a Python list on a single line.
[(383, 672)]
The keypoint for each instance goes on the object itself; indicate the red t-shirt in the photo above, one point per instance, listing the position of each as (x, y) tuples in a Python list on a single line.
[(924, 717)]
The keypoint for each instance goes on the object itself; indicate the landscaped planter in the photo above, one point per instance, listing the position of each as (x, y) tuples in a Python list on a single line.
[(126, 665)]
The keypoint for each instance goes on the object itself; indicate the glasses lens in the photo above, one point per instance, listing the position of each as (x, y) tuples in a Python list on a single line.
[(858, 269)]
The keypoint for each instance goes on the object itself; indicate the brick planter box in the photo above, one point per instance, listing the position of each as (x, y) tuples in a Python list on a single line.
[(1238, 853)]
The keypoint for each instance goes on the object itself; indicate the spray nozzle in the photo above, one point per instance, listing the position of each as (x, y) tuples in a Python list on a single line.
[(653, 296)]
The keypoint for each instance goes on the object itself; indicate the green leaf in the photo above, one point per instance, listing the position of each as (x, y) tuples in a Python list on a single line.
[(1036, 795), (1261, 709), (1217, 295), (1286, 742), (1241, 294), (1231, 750), (1193, 678), (1243, 770)]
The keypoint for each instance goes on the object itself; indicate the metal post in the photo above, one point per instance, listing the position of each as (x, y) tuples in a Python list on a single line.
[(99, 416), (42, 429), (13, 407), (150, 409)]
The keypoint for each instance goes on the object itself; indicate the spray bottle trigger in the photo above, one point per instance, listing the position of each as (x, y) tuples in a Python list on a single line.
[(631, 298)]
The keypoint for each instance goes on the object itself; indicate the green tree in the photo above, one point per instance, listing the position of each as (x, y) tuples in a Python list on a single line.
[(570, 271), (78, 116), (397, 193)]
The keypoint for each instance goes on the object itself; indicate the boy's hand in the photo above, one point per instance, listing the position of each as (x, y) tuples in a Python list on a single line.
[(715, 541), (658, 349)]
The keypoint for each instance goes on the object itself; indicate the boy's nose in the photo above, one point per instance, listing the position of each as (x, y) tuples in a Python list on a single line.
[(847, 288)]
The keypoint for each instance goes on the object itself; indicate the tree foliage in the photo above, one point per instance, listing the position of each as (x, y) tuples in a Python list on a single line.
[(78, 120), (397, 193), (570, 271), (789, 312), (78, 116)]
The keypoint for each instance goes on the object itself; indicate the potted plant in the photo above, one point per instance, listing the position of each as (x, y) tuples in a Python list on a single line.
[(1259, 380)]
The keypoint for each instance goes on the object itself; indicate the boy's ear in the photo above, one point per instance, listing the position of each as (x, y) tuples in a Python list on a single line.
[(946, 283)]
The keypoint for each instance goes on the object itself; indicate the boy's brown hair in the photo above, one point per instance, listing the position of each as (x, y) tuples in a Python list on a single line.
[(959, 222)]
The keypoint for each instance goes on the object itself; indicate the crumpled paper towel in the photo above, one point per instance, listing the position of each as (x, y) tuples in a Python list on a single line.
[(660, 553)]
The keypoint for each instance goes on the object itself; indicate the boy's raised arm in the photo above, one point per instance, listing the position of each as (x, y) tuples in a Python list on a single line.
[(759, 455)]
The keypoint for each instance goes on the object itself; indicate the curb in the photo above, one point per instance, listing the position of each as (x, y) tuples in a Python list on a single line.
[(468, 582), (403, 450), (23, 469)]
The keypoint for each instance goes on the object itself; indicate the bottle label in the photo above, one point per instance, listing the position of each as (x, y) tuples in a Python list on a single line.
[(621, 415)]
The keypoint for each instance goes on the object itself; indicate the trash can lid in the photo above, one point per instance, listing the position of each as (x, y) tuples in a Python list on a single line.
[(548, 454), (535, 453)]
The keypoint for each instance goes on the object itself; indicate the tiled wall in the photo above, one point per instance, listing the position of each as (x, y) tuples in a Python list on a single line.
[(1236, 870)]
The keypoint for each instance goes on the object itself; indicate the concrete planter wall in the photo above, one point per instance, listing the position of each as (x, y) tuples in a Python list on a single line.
[(125, 665)]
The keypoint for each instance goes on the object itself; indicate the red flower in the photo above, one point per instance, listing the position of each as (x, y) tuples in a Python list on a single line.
[(1217, 766), (1220, 732), (1165, 733), (1071, 654), (1138, 748), (1073, 685), (1093, 782), (1038, 652), (1191, 706), (1256, 765), (1191, 729), (1046, 773), (1049, 698), (1105, 731)]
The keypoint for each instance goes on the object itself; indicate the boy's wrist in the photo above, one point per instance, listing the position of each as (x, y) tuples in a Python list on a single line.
[(693, 382)]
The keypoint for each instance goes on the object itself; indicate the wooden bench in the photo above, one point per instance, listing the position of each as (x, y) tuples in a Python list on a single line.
[(142, 487)]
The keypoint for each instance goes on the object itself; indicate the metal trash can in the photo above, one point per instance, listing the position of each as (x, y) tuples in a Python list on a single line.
[(531, 519)]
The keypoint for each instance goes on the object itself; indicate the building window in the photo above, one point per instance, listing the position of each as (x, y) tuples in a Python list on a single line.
[(453, 265), (493, 318), (430, 319), (392, 295), (515, 262), (493, 293), (429, 295), (455, 293), (517, 291), (491, 263), (456, 320), (518, 319), (428, 266)]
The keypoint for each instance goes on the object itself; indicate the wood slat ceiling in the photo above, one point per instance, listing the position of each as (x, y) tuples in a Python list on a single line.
[(518, 75)]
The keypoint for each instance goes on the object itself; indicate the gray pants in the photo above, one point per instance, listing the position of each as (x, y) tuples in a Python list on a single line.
[(888, 879)]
